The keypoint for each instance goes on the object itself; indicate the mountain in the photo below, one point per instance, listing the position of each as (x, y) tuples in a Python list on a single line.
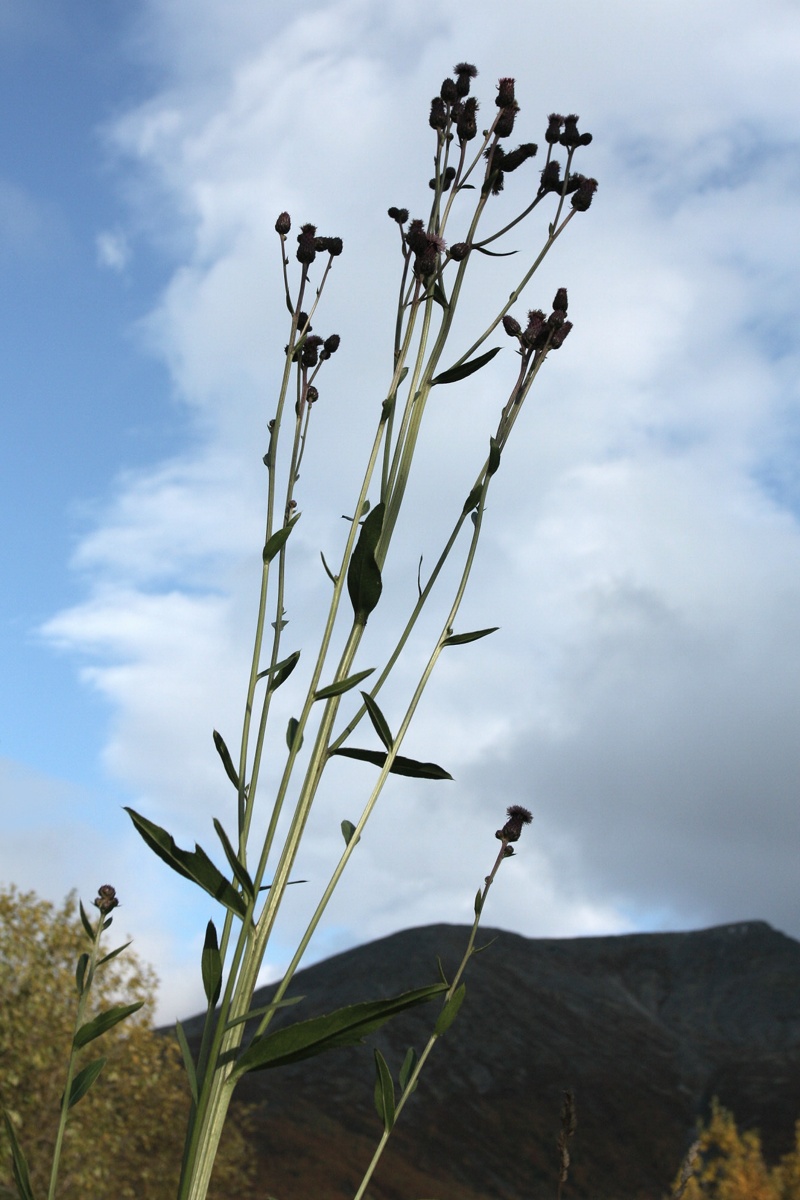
[(644, 1028)]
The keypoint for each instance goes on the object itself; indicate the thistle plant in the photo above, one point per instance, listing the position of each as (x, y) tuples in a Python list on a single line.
[(335, 692)]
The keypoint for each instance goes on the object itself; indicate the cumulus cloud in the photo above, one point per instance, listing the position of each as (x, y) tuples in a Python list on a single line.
[(642, 539)]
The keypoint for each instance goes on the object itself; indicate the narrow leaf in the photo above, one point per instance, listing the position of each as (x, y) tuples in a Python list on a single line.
[(464, 369), (364, 583), (188, 1061), (291, 733), (461, 639), (348, 829), (282, 670), (260, 1012), (19, 1165), (384, 1091), (211, 965), (80, 972), (473, 498), (345, 1027), (85, 922), (343, 685), (227, 761), (113, 954), (494, 253), (83, 1081), (478, 902), (103, 1022), (333, 578), (450, 1010), (485, 946), (195, 865), (400, 766), (239, 870), (494, 457), (379, 722), (278, 540), (442, 975), (407, 1069)]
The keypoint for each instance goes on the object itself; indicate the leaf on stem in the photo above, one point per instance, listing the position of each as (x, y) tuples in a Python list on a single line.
[(407, 1069), (260, 1012), (188, 1061), (227, 761), (379, 722), (292, 734), (195, 865), (85, 922), (472, 499), (239, 870), (278, 540), (478, 902), (211, 965), (283, 669), (343, 685), (345, 1027), (400, 766), (384, 1091), (364, 584), (461, 639), (333, 578), (348, 829), (103, 1022), (494, 253), (112, 954), (19, 1164), (494, 457), (450, 1010), (80, 972), (83, 1081), (464, 369)]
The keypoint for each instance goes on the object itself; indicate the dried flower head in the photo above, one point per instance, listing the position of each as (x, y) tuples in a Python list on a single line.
[(464, 73), (438, 117), (106, 899), (554, 123), (306, 248), (449, 91), (504, 126), (569, 135), (283, 224), (505, 93), (467, 125), (551, 177), (584, 194)]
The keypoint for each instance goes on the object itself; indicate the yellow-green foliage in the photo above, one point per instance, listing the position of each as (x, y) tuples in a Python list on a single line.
[(730, 1165), (125, 1137)]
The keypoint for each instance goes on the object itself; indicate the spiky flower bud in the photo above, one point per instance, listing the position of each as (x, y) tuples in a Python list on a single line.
[(570, 135), (438, 117), (557, 340), (511, 326), (517, 157), (106, 899), (554, 123), (551, 177), (309, 354), (330, 346), (449, 91), (505, 93), (306, 247), (467, 126), (583, 196), (517, 817), (459, 252), (504, 125), (560, 301), (399, 214), (283, 224), (312, 394), (464, 73)]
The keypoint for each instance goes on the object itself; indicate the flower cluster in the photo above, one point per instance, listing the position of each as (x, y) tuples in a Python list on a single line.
[(541, 332)]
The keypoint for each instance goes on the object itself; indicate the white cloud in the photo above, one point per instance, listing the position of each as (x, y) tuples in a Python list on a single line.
[(638, 695), (113, 249)]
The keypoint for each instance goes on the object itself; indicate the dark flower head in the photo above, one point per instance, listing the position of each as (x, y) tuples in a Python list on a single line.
[(459, 252), (283, 224), (584, 194), (557, 340), (306, 247), (399, 214), (570, 135), (416, 237), (554, 123), (449, 91), (504, 125), (511, 326), (551, 177), (438, 117), (505, 93), (312, 394), (309, 353), (106, 899), (560, 301), (464, 73), (517, 817), (517, 157), (467, 125)]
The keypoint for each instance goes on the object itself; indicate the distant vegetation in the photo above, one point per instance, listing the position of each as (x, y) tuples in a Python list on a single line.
[(729, 1165)]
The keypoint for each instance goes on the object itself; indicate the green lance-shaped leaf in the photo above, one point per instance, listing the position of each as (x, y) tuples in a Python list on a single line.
[(450, 1010), (211, 965), (278, 540), (85, 922), (113, 954), (103, 1022), (343, 685), (494, 457), (188, 1061), (407, 1069), (292, 734), (239, 870), (464, 369), (80, 972), (364, 583), (345, 1027), (227, 761), (400, 766), (281, 671), (83, 1081), (195, 865), (461, 639), (287, 1002), (472, 499), (19, 1165), (384, 1091), (379, 722), (478, 902), (348, 829)]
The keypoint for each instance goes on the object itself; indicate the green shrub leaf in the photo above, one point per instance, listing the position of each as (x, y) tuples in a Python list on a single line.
[(343, 685), (211, 965), (379, 722), (450, 1010), (278, 540), (19, 1165), (84, 1080), (239, 870), (384, 1091), (348, 829), (461, 639), (464, 369), (407, 1069), (227, 761)]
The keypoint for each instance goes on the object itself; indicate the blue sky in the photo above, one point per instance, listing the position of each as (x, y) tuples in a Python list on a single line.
[(642, 559)]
